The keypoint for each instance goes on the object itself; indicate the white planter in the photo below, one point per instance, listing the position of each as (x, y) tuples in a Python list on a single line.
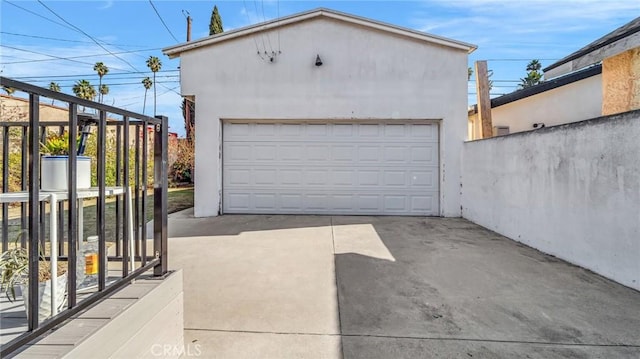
[(54, 172), (44, 297)]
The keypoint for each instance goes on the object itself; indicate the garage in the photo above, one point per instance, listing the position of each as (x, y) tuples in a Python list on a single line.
[(331, 167), (352, 117)]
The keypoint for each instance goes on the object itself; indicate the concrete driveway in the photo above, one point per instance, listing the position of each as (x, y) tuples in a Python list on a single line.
[(388, 287)]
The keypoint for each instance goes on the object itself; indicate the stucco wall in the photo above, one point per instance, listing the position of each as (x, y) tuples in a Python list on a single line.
[(367, 74), (572, 191), (621, 82), (570, 103)]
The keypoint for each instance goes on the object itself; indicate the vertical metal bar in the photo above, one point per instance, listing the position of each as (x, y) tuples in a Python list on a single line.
[(145, 183), (60, 227), (24, 174), (160, 145), (5, 187), (145, 175), (118, 183), (43, 208), (34, 213), (72, 223), (102, 248), (136, 176), (60, 218), (127, 199)]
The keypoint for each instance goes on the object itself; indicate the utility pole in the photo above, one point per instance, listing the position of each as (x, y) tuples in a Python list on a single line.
[(188, 28), (484, 101)]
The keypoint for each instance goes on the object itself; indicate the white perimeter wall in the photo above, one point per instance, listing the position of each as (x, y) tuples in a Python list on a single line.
[(572, 191), (367, 74)]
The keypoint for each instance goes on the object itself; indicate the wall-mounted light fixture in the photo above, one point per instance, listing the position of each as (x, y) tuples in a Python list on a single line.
[(318, 61)]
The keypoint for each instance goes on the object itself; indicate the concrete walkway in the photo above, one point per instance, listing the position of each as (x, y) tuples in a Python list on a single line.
[(388, 287)]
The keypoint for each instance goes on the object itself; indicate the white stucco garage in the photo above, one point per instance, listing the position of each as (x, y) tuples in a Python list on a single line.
[(377, 128)]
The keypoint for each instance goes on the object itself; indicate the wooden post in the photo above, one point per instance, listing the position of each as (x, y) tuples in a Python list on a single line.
[(484, 101)]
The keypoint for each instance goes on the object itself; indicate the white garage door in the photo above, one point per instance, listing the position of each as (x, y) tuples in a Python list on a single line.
[(330, 168)]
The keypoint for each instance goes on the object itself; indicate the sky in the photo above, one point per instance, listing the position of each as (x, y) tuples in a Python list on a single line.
[(44, 41)]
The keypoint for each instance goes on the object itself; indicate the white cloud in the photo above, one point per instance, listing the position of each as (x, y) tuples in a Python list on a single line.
[(107, 4)]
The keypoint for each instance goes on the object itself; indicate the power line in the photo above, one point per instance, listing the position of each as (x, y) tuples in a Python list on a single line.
[(66, 82), (110, 74), (76, 57), (90, 37), (162, 20), (246, 11), (64, 40), (255, 5), (110, 84), (56, 57), (38, 15), (133, 103), (87, 35), (264, 20), (118, 84)]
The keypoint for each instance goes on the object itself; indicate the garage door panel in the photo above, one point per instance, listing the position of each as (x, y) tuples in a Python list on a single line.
[(265, 176), (424, 132), (395, 203), (424, 179), (326, 203), (369, 130), (343, 130), (395, 130), (343, 153), (239, 152), (368, 153), (291, 202), (395, 178), (369, 178), (330, 168), (264, 152), (238, 177), (397, 154), (425, 154), (318, 152)]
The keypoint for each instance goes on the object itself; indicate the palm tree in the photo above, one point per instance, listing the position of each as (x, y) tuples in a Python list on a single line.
[(84, 90), (54, 86), (147, 83), (534, 65), (102, 70), (104, 90), (155, 65)]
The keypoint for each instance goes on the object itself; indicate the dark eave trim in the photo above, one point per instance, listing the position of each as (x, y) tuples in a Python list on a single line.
[(588, 49), (546, 86)]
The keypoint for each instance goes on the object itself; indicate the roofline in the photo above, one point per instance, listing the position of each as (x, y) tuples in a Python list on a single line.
[(176, 50), (543, 87), (587, 49)]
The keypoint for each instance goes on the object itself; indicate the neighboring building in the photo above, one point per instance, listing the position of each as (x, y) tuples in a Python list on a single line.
[(346, 116), (618, 41), (570, 98), (17, 109), (602, 78), (14, 109)]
